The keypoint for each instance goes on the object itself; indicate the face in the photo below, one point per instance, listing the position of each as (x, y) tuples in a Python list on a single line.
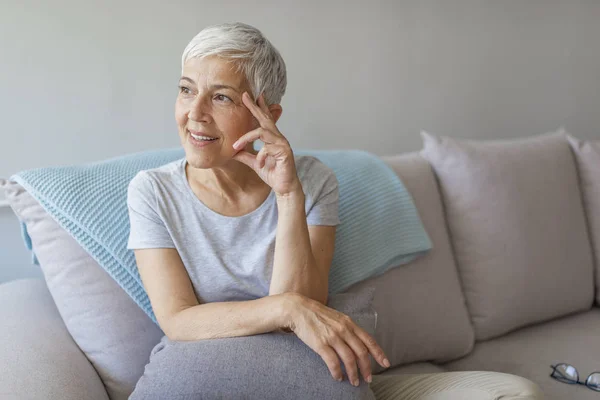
[(209, 104)]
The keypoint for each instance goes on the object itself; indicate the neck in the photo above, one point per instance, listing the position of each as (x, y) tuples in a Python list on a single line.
[(230, 180)]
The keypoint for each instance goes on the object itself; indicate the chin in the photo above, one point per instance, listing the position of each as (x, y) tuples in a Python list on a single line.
[(198, 161)]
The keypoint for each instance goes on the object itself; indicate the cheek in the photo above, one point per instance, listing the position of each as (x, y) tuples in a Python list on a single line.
[(180, 113), (235, 123)]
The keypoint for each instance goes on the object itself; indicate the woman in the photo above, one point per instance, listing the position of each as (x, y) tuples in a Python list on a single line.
[(234, 242)]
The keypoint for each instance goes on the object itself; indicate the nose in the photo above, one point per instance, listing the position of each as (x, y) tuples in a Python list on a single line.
[(200, 109)]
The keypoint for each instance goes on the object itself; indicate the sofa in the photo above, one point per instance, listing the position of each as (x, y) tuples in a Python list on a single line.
[(512, 283)]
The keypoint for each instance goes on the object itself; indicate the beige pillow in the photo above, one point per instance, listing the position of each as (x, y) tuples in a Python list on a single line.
[(516, 221), (588, 160), (422, 312)]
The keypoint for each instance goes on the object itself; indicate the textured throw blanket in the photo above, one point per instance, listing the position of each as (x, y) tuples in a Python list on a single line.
[(380, 227)]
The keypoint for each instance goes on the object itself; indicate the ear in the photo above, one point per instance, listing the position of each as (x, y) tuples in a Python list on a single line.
[(276, 111)]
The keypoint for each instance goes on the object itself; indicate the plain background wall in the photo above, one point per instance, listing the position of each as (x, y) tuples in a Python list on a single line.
[(85, 80)]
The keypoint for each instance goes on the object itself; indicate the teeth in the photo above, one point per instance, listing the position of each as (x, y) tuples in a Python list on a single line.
[(205, 138)]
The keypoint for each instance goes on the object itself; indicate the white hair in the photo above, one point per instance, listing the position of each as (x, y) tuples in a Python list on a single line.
[(249, 50)]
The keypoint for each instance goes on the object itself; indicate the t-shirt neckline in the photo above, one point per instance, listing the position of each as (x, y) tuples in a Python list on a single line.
[(205, 208)]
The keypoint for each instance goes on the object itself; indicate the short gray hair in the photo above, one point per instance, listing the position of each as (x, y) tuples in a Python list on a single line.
[(249, 50)]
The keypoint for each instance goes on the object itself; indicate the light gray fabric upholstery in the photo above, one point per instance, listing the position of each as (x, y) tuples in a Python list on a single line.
[(529, 352), (38, 357), (587, 154), (422, 312), (112, 331), (269, 366), (518, 228)]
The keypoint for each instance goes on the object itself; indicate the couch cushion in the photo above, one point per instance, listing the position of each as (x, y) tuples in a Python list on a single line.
[(112, 331), (529, 352), (422, 313), (517, 224), (38, 358), (587, 154)]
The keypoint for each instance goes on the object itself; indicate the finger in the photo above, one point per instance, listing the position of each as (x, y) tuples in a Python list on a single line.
[(362, 355), (262, 155), (247, 158), (332, 361), (375, 350), (279, 151), (263, 118), (248, 137), (349, 360), (262, 103), (264, 135)]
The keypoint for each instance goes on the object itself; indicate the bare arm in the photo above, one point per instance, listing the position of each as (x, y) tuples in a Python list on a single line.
[(303, 254), (182, 318), (323, 329)]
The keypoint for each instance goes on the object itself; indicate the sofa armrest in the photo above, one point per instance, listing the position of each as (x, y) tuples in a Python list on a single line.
[(38, 357)]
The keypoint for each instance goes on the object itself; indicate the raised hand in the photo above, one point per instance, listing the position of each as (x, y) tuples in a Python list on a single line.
[(274, 163)]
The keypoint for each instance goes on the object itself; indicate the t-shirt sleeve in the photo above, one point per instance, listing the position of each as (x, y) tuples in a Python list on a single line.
[(147, 228), (320, 187)]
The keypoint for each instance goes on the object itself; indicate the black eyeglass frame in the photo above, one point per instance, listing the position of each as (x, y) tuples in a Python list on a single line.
[(570, 381)]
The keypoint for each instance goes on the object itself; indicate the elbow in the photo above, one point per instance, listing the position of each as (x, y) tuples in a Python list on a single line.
[(183, 325), (170, 325)]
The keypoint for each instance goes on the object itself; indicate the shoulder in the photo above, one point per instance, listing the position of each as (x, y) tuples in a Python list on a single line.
[(316, 177), (145, 181), (310, 169)]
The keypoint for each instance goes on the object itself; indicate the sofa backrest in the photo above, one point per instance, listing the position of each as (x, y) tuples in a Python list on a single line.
[(587, 154), (421, 309), (514, 210)]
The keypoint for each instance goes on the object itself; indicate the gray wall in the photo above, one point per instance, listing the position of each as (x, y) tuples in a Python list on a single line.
[(85, 80)]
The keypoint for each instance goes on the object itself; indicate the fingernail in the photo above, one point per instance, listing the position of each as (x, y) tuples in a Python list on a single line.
[(369, 379), (356, 383), (338, 379), (235, 145), (386, 362)]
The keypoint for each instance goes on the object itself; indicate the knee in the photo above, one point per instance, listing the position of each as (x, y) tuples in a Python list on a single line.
[(471, 385), (509, 386), (489, 385)]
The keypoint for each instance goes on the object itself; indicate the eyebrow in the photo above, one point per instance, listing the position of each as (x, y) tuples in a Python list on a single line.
[(217, 86)]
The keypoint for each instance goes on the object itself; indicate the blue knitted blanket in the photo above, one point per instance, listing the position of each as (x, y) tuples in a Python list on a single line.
[(380, 227)]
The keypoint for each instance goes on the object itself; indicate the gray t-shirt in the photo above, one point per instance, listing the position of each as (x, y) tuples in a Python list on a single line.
[(227, 258)]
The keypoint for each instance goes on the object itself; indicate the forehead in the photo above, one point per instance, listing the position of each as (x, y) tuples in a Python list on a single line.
[(213, 69)]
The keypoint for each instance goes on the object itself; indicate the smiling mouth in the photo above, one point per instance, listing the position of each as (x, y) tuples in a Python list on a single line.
[(202, 138)]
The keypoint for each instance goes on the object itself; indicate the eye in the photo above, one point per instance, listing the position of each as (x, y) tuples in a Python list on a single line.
[(184, 90), (223, 98)]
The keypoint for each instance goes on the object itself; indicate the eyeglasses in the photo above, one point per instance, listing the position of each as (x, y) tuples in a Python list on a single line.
[(568, 374)]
